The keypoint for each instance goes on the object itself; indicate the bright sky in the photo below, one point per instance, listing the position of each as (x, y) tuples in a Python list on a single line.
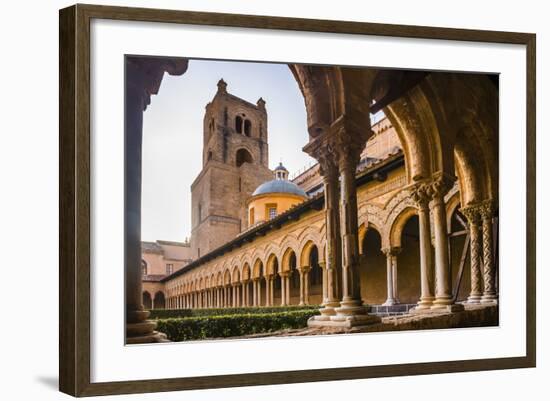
[(172, 135)]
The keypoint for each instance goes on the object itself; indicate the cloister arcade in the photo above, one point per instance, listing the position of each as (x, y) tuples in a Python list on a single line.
[(448, 126)]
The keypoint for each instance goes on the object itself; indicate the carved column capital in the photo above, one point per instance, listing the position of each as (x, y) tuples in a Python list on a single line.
[(305, 269), (487, 209), (339, 146), (420, 195), (441, 184), (472, 213), (144, 74), (391, 251)]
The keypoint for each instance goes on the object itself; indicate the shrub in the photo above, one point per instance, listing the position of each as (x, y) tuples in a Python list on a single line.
[(175, 313), (201, 327)]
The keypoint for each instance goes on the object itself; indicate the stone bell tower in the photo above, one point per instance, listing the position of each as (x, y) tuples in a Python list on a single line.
[(234, 162)]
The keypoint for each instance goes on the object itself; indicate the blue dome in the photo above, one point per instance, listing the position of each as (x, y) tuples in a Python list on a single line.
[(279, 186)]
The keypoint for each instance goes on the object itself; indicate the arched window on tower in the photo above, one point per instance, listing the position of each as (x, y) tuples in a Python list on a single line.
[(243, 156), (247, 128), (239, 125), (143, 268)]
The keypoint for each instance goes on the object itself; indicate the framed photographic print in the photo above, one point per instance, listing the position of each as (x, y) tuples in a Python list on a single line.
[(347, 200)]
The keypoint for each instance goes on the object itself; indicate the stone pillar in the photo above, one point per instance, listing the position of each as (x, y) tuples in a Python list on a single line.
[(490, 295), (397, 251), (421, 197), (391, 267), (143, 78), (443, 279), (351, 303), (338, 150), (243, 294), (304, 284), (333, 246), (322, 265), (271, 291), (259, 292), (284, 288), (474, 225), (254, 293), (287, 290)]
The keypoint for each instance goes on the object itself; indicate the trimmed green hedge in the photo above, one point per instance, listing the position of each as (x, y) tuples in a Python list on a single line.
[(197, 328), (176, 313)]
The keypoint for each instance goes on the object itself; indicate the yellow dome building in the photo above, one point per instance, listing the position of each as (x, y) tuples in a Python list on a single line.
[(274, 197)]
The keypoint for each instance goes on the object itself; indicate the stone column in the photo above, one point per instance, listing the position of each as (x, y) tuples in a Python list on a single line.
[(443, 279), (271, 291), (303, 284), (284, 288), (243, 294), (254, 294), (306, 285), (474, 225), (397, 251), (322, 265), (351, 303), (143, 78), (287, 290), (259, 292), (421, 197), (333, 247), (490, 295), (391, 255)]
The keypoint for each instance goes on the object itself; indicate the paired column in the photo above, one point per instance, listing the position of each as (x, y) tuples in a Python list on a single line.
[(474, 225), (333, 255), (443, 281), (269, 290), (254, 292), (304, 285), (391, 274), (487, 212), (421, 197), (338, 151), (284, 288)]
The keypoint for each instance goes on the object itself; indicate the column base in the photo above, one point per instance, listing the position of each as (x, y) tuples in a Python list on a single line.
[(489, 299), (351, 307), (328, 310), (343, 321), (391, 301), (437, 309), (446, 302), (424, 303), (139, 330), (474, 299)]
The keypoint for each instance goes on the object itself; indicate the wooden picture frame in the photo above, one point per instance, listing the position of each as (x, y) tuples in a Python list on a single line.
[(74, 205)]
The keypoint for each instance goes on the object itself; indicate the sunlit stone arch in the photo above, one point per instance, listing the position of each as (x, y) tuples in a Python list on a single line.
[(398, 224), (227, 277), (258, 269), (246, 274), (305, 252), (235, 274), (270, 267), (219, 278), (285, 259)]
